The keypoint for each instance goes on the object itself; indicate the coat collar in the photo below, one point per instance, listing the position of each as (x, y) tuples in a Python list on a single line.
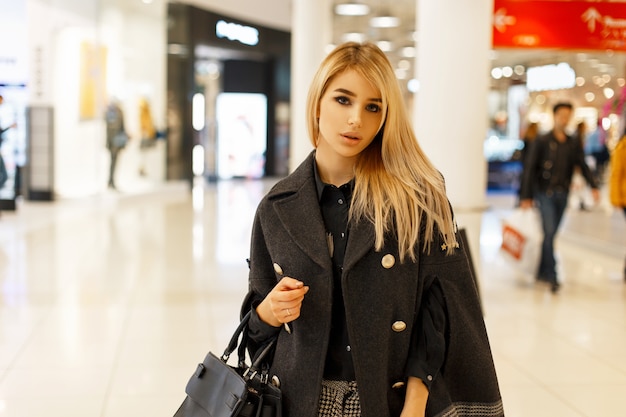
[(296, 203)]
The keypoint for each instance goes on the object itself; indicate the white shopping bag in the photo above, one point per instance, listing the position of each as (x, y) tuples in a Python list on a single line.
[(522, 237)]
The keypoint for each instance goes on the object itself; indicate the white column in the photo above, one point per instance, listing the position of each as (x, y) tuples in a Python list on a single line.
[(451, 121), (311, 33)]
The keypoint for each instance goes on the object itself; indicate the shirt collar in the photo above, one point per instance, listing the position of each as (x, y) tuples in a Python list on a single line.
[(320, 185)]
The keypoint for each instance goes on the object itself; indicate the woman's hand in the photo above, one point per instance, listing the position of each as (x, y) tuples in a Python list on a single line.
[(416, 398), (283, 303)]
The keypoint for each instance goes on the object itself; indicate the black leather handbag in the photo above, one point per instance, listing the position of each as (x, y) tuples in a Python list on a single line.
[(217, 389)]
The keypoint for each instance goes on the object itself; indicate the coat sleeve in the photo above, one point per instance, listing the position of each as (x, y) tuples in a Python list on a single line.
[(584, 168), (528, 174), (428, 345), (261, 280), (618, 175)]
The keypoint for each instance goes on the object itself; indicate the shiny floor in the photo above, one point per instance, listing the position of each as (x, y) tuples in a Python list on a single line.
[(108, 303)]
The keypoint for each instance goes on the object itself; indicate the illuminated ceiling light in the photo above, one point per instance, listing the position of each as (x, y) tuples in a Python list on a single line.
[(408, 52), (404, 64), (507, 72), (606, 78), (550, 77), (519, 69), (496, 73), (352, 9), (580, 81), (353, 37), (621, 82), (590, 97), (540, 99), (608, 93), (385, 46), (413, 85), (384, 20)]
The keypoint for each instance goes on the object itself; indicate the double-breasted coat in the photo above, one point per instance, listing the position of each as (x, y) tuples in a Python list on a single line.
[(382, 299)]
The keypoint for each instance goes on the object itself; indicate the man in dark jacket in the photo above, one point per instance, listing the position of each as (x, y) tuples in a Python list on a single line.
[(546, 180), (3, 172)]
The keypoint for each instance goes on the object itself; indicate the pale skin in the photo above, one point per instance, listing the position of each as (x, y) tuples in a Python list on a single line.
[(349, 116), (561, 119)]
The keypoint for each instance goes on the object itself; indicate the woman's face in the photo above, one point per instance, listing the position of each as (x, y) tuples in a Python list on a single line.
[(350, 113)]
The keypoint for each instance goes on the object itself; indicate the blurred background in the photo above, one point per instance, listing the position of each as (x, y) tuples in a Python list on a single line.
[(200, 68)]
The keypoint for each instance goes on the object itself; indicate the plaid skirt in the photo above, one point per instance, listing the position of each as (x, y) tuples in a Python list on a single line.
[(339, 399)]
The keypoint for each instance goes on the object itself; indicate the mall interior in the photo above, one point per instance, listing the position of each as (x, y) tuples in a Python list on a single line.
[(123, 263)]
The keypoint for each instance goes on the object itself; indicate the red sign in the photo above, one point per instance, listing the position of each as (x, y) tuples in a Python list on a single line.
[(573, 24)]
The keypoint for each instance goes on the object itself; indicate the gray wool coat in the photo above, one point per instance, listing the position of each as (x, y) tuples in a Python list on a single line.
[(382, 299)]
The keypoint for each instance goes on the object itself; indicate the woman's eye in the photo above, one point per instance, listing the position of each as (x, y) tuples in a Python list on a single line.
[(342, 100), (374, 108)]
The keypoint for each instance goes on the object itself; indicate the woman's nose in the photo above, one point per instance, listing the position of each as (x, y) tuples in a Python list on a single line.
[(355, 119)]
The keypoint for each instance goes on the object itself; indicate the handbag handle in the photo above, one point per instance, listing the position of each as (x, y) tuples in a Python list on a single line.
[(234, 342)]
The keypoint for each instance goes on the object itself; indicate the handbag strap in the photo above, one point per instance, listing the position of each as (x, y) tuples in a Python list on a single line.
[(257, 364), (234, 340)]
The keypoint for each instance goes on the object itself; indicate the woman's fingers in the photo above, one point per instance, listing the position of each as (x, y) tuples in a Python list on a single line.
[(286, 299)]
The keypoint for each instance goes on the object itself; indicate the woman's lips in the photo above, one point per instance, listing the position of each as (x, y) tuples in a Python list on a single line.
[(351, 136)]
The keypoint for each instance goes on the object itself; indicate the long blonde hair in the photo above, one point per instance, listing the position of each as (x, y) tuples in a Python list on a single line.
[(397, 188)]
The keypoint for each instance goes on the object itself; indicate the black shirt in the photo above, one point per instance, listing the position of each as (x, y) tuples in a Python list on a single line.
[(335, 205)]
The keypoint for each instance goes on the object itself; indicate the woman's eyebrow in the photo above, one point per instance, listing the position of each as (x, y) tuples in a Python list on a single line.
[(351, 94)]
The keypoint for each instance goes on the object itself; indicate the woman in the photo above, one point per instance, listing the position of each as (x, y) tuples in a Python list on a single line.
[(356, 266), (617, 181)]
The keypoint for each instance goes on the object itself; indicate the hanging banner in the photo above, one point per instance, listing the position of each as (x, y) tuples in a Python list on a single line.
[(574, 24)]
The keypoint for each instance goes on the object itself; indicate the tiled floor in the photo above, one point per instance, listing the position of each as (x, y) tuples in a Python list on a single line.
[(108, 303)]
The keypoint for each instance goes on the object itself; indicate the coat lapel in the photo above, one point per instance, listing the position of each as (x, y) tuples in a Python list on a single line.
[(298, 210), (297, 206), (301, 217), (360, 240)]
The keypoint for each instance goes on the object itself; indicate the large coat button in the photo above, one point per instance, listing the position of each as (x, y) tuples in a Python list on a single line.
[(278, 269), (388, 261), (398, 326)]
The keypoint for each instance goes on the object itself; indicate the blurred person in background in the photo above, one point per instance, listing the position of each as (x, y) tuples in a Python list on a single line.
[(617, 180), (579, 190), (529, 137), (595, 147), (4, 176), (547, 180), (148, 132), (116, 137)]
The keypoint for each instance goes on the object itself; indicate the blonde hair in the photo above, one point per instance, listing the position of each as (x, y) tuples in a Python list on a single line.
[(397, 188)]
